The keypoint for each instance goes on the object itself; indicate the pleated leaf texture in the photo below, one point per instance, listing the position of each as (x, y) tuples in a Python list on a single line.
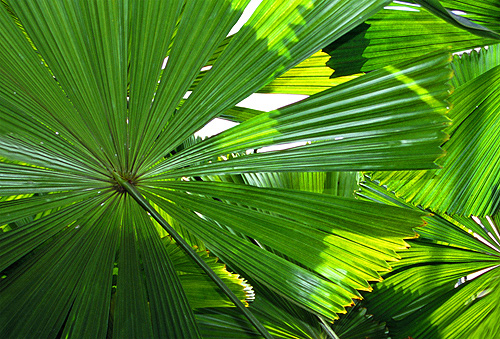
[(447, 284), (96, 175), (467, 183), (400, 31)]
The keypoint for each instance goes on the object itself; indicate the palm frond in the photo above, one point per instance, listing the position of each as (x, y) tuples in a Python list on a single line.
[(467, 183), (467, 66), (269, 44), (478, 17), (446, 284), (388, 128), (92, 128), (393, 35)]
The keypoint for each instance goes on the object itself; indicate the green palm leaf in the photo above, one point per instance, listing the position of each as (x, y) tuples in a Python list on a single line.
[(198, 287), (468, 182), (78, 259), (477, 15), (239, 114), (281, 317), (352, 324), (470, 65), (342, 184), (393, 35), (358, 323), (348, 119), (309, 77), (89, 119), (446, 285)]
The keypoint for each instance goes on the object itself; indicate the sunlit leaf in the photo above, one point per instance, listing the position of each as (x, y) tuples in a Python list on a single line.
[(95, 123), (447, 284), (468, 182)]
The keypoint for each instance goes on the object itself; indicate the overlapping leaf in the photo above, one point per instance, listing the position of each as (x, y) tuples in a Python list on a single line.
[(342, 184), (467, 66), (383, 118), (479, 17), (358, 323), (316, 239), (354, 323), (281, 321), (447, 284), (270, 43), (309, 77), (468, 182), (199, 288), (393, 35), (84, 100)]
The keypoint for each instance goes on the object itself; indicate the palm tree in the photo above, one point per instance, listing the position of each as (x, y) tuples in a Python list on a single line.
[(117, 223)]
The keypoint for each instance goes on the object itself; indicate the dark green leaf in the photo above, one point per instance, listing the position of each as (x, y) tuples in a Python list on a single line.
[(393, 35)]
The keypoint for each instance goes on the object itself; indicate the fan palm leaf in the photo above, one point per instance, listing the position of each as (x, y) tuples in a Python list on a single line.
[(397, 32), (446, 284), (478, 18), (89, 120), (468, 182)]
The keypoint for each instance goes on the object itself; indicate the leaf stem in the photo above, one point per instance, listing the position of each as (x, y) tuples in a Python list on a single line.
[(327, 328), (134, 193)]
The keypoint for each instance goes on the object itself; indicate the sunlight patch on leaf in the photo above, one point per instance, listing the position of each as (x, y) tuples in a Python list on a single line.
[(415, 87)]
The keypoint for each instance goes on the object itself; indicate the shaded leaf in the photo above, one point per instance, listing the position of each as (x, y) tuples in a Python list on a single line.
[(200, 290), (394, 35), (315, 217)]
